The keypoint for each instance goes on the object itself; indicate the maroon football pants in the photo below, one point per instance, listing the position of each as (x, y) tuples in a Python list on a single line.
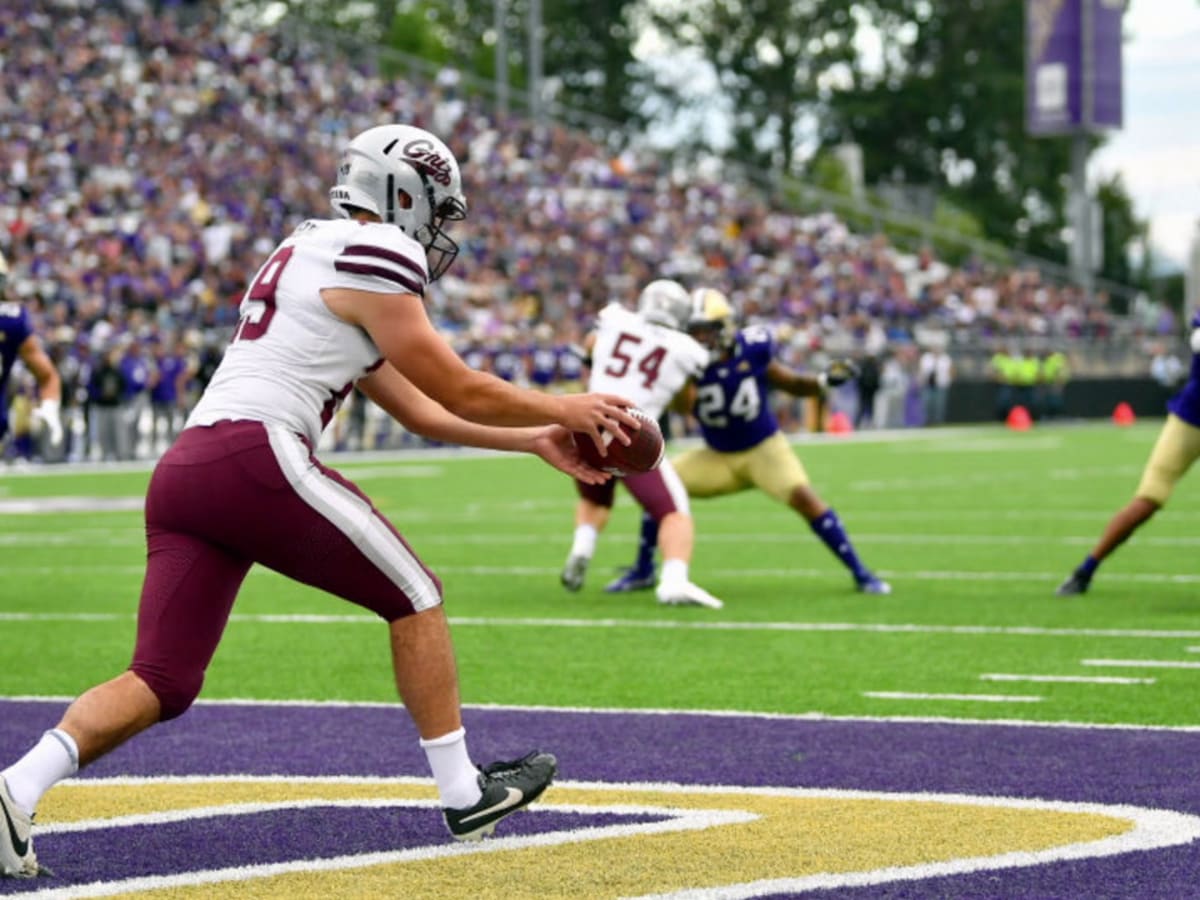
[(233, 494)]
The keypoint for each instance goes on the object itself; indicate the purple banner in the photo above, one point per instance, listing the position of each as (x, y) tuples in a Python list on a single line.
[(1072, 65), (1106, 63)]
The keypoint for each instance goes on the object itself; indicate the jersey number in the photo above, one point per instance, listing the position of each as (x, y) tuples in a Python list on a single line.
[(258, 306), (711, 406), (648, 364)]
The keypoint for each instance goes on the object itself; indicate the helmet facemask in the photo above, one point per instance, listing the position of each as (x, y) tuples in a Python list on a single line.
[(440, 248)]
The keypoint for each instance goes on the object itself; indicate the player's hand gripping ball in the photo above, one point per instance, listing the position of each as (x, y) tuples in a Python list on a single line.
[(643, 454)]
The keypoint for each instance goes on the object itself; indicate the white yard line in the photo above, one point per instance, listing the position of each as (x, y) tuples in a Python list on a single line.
[(652, 711), (653, 624), (1142, 663), (552, 572), (135, 537), (1066, 679), (968, 698)]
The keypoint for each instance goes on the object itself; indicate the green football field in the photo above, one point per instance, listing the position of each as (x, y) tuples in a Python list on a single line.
[(974, 528)]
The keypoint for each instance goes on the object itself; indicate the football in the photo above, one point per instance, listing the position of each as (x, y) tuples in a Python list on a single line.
[(642, 455)]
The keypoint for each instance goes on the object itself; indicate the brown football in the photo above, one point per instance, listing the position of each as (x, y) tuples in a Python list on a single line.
[(642, 455)]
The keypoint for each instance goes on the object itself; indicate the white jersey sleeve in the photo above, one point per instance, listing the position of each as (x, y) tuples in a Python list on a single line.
[(292, 361), (646, 363)]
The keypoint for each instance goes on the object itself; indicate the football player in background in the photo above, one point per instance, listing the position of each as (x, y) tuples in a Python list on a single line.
[(647, 357), (1177, 447), (744, 447), (339, 302), (19, 341)]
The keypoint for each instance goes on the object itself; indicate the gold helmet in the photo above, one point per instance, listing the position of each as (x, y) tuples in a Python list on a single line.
[(712, 319)]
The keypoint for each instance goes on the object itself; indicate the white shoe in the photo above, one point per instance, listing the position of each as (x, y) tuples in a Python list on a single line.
[(16, 841), (685, 593), (574, 572)]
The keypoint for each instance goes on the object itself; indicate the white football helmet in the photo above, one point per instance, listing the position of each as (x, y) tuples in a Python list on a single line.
[(408, 178), (665, 302), (711, 320)]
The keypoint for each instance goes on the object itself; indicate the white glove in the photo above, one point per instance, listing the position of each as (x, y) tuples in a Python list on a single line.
[(48, 415)]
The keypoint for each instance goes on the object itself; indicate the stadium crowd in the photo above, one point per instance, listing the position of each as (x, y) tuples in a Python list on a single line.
[(152, 154)]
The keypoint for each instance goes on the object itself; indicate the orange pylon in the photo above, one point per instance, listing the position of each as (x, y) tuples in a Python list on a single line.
[(1019, 419)]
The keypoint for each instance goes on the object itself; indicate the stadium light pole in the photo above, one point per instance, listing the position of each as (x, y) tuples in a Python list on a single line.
[(535, 61), (500, 12), (1073, 88), (1080, 151)]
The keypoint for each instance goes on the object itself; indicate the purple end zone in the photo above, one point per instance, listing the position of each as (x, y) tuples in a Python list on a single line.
[(1150, 768)]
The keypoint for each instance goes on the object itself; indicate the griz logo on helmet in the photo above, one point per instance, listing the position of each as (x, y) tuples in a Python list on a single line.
[(429, 160)]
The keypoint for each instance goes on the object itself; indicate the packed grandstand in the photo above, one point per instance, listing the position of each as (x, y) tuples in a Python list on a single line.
[(152, 156)]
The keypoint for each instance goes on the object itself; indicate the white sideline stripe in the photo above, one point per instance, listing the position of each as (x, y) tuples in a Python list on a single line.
[(707, 713), (42, 505), (1067, 679), (1151, 829), (1143, 663), (552, 573), (665, 624), (969, 698)]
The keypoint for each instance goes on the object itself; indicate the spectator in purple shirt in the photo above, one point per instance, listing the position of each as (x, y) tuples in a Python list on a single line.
[(138, 372), (173, 369)]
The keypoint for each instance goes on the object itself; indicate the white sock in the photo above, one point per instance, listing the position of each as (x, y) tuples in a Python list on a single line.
[(457, 779), (52, 759), (674, 571), (585, 541)]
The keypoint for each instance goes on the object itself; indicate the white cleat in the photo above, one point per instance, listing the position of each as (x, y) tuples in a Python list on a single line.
[(574, 571), (16, 843), (686, 594)]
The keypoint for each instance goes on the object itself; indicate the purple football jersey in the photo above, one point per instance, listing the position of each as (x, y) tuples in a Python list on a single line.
[(1186, 404), (15, 327), (732, 394)]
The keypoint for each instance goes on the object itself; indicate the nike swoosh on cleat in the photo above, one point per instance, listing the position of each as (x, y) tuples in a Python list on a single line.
[(514, 796), (22, 847)]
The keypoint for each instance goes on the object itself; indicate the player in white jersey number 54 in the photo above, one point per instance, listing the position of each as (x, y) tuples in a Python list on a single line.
[(647, 356), (339, 303)]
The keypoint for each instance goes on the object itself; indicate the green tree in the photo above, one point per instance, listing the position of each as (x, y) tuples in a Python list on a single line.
[(769, 57), (946, 109), (366, 20), (1121, 231), (586, 45)]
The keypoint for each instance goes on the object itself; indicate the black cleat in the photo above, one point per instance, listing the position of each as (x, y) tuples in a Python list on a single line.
[(632, 579), (507, 787), (1077, 584)]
